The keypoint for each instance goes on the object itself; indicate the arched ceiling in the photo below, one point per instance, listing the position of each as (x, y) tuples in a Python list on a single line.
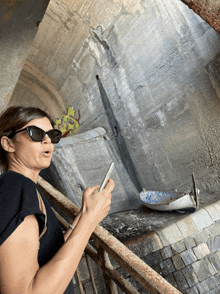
[(146, 71), (61, 34)]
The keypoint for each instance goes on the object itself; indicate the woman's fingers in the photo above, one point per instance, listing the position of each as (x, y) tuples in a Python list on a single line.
[(90, 191), (110, 186), (95, 189)]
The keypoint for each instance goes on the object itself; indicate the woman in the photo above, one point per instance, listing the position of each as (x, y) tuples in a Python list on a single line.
[(34, 258)]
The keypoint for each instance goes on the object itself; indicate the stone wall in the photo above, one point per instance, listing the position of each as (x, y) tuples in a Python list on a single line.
[(186, 253), (148, 73)]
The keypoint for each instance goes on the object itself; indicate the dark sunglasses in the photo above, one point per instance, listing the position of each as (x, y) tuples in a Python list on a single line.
[(36, 134)]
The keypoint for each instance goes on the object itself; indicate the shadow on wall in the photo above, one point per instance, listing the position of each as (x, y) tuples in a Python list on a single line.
[(121, 144)]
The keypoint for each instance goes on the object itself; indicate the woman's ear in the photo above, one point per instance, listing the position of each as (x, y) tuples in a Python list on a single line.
[(7, 144)]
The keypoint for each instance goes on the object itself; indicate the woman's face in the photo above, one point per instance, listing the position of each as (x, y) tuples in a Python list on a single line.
[(29, 154)]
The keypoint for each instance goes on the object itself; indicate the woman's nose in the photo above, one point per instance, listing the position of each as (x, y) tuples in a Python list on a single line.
[(46, 139)]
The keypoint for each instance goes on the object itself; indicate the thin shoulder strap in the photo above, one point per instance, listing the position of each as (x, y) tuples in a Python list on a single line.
[(43, 209)]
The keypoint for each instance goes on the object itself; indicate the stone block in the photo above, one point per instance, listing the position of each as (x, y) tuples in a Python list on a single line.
[(137, 286), (187, 226), (201, 236), (217, 253), (135, 247), (201, 219), (214, 230), (170, 235), (189, 242), (145, 245), (151, 243), (214, 243), (178, 247), (190, 275), (202, 287), (153, 258), (178, 262), (180, 280), (193, 290), (157, 269), (201, 250), (188, 257), (212, 269), (166, 252), (202, 270), (167, 267), (170, 279), (214, 211), (217, 278), (215, 291), (215, 261), (211, 283)]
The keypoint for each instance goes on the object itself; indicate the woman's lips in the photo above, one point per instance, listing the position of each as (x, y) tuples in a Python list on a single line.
[(47, 153)]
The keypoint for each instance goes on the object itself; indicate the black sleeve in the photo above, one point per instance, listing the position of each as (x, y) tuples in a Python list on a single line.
[(18, 199)]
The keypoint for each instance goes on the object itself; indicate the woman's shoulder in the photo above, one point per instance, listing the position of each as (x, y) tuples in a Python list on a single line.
[(13, 178), (11, 175), (13, 184), (18, 199)]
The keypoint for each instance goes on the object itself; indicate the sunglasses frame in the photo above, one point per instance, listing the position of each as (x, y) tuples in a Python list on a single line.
[(28, 129)]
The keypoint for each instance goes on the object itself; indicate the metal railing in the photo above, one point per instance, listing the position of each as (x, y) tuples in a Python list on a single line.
[(106, 245)]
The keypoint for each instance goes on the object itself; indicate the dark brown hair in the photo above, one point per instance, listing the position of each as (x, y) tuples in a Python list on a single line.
[(14, 118)]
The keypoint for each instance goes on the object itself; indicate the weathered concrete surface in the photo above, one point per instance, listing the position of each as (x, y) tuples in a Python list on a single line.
[(207, 10), (82, 161), (18, 26), (38, 90), (147, 72)]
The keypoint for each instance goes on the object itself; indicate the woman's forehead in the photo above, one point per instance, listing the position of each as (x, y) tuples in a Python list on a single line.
[(42, 123)]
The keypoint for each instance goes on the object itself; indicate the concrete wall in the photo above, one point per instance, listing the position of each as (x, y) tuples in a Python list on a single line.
[(19, 24), (148, 73), (208, 10), (82, 161)]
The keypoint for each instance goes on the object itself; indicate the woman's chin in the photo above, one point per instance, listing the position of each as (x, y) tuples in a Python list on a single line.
[(45, 165)]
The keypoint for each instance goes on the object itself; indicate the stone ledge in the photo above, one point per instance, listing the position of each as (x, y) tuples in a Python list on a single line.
[(187, 226), (186, 253), (190, 253)]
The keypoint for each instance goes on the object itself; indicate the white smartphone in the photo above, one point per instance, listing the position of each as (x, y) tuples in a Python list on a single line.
[(107, 176)]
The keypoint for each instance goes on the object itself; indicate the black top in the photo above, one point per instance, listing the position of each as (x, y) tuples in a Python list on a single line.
[(18, 199)]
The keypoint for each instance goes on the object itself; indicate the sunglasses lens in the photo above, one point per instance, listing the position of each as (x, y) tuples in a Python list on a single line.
[(36, 134), (55, 136)]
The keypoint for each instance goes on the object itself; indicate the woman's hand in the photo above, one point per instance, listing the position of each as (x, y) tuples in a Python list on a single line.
[(97, 204)]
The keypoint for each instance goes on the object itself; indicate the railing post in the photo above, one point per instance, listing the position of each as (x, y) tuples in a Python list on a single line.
[(91, 274), (79, 281), (106, 263)]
